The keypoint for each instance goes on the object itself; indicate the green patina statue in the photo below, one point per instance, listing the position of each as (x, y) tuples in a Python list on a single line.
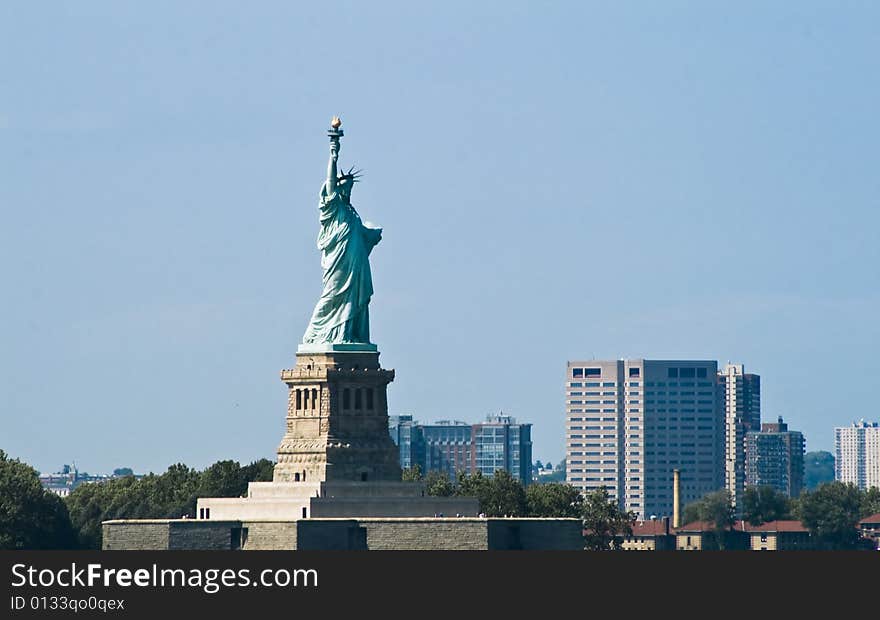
[(341, 320)]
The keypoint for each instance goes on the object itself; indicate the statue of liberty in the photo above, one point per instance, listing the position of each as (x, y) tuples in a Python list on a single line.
[(341, 320)]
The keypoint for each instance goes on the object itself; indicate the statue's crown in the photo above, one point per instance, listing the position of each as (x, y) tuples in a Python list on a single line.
[(352, 175)]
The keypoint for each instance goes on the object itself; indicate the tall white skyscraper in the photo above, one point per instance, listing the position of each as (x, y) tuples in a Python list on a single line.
[(740, 400), (857, 450), (629, 423)]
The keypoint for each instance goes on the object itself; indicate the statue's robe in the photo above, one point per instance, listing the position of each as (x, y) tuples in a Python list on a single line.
[(341, 314)]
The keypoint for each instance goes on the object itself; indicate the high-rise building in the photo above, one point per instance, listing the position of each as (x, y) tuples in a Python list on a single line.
[(630, 423), (448, 447), (775, 457), (858, 454), (740, 400), (453, 446), (410, 440), (501, 443)]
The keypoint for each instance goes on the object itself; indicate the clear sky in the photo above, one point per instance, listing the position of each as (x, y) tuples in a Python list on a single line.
[(555, 181)]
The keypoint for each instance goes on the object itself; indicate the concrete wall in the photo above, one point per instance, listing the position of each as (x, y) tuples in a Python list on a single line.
[(431, 534), (393, 507), (448, 534), (205, 535), (542, 534), (141, 535), (333, 535), (270, 536), (345, 534), (247, 508), (167, 534)]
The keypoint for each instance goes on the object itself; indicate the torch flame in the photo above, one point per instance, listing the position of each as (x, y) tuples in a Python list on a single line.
[(336, 122)]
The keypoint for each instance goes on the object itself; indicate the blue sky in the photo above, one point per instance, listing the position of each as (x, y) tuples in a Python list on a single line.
[(660, 180)]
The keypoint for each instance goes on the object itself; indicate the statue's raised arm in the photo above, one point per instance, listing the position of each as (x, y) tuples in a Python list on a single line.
[(335, 133)]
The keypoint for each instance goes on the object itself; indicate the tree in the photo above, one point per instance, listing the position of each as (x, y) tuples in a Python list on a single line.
[(604, 522), (499, 496), (173, 494), (123, 471), (437, 483), (870, 502), (716, 509), (471, 485), (554, 499), (764, 503), (412, 474), (818, 468), (831, 513), (168, 495), (30, 516), (503, 496), (557, 475), (222, 479), (262, 470), (89, 504)]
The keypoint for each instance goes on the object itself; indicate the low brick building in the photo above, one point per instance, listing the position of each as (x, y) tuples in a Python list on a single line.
[(652, 535), (779, 536), (701, 536), (870, 529)]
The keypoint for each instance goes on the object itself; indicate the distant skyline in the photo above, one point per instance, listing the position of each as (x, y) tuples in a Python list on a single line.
[(572, 181)]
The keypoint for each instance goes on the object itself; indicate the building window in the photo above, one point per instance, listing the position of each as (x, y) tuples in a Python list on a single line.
[(672, 373), (299, 400), (577, 373), (346, 398), (633, 372), (358, 399), (688, 373), (593, 372), (370, 399), (314, 398)]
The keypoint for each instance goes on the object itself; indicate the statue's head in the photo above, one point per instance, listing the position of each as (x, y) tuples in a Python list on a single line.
[(346, 180)]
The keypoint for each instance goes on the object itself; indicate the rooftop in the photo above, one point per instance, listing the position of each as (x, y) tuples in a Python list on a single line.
[(652, 527), (778, 526)]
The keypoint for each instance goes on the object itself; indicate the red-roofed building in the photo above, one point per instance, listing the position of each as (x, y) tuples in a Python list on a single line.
[(779, 536), (701, 536), (652, 535), (870, 528)]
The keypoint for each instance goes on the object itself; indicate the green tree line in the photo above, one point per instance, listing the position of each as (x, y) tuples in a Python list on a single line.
[(831, 511), (502, 495), (33, 518)]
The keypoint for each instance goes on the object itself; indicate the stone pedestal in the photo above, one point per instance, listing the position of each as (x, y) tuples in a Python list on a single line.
[(337, 420), (336, 458)]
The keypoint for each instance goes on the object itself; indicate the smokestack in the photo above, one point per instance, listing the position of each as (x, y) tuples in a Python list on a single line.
[(676, 498)]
